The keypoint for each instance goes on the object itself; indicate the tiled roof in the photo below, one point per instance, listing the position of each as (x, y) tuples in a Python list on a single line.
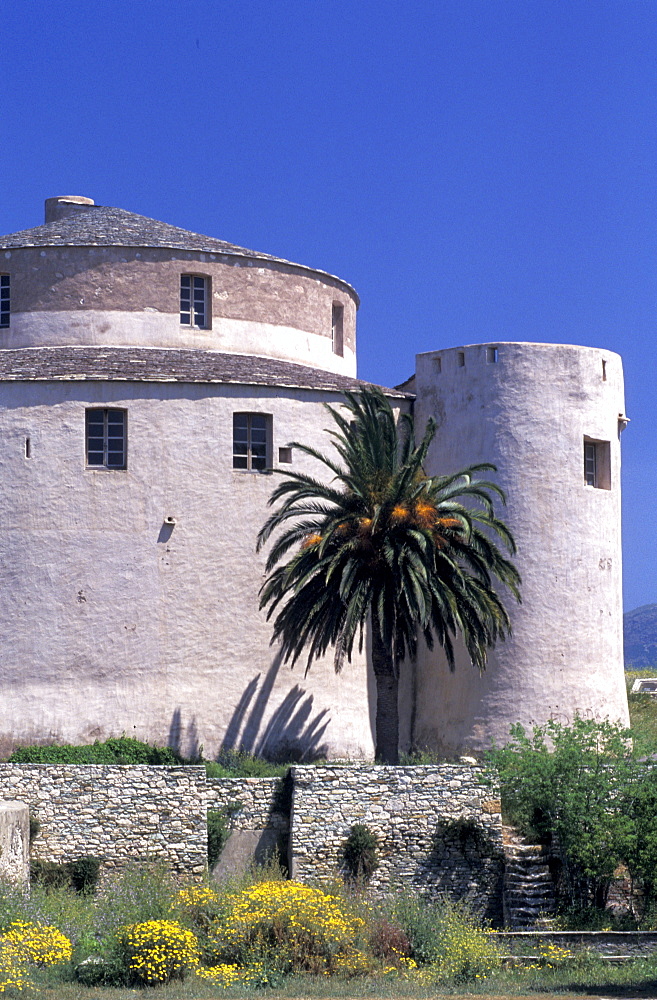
[(145, 364), (101, 226)]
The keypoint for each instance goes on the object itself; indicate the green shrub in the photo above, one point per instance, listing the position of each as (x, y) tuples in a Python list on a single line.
[(445, 936), (84, 873), (218, 832), (117, 750), (360, 852), (239, 764), (81, 874), (572, 782), (50, 874), (35, 826), (99, 962)]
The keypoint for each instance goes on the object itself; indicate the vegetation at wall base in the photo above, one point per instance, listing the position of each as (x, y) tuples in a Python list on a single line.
[(117, 750), (643, 713), (361, 853), (218, 831), (80, 875), (587, 790), (263, 931)]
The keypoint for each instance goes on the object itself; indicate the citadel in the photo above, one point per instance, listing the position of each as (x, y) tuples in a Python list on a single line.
[(151, 381)]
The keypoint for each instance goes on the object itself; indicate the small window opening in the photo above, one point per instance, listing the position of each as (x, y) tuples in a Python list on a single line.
[(28, 448), (438, 365), (284, 454), (194, 301), (337, 329), (106, 433), (4, 300), (604, 370), (460, 359), (251, 436), (492, 355), (597, 464)]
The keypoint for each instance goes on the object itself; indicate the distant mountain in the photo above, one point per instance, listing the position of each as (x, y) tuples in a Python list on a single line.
[(640, 638)]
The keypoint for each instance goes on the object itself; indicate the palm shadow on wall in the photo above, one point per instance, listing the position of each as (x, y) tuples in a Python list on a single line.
[(293, 732)]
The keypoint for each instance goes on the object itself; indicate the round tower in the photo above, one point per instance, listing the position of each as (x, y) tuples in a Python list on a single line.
[(93, 274), (549, 417)]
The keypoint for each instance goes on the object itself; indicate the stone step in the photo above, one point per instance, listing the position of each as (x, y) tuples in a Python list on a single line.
[(529, 895), (520, 892)]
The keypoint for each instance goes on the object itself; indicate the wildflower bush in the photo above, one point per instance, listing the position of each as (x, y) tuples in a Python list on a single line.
[(40, 944), (446, 938), (157, 951), (288, 926), (198, 907), (227, 976), (14, 975)]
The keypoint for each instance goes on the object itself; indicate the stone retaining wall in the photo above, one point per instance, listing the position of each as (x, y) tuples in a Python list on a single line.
[(439, 828), (117, 813), (635, 943)]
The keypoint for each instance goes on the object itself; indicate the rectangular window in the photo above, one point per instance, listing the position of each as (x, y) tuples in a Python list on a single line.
[(597, 464), (106, 438), (337, 329), (251, 441), (492, 355), (194, 301), (4, 300)]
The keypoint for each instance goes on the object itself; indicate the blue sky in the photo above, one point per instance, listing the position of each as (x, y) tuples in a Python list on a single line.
[(478, 170)]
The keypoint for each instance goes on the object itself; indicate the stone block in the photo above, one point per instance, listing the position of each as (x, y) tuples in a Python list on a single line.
[(15, 843)]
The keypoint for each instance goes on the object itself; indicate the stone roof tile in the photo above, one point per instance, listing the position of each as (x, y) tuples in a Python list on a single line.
[(103, 226), (145, 364)]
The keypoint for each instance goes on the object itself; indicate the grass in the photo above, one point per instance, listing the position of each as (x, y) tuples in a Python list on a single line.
[(145, 892), (643, 713), (637, 980)]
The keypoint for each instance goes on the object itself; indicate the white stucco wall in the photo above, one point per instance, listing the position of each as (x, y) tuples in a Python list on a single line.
[(128, 296), (112, 622), (529, 413), (119, 328)]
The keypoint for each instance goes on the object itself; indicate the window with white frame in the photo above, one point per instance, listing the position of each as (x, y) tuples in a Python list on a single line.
[(106, 438), (4, 300), (597, 464), (251, 441), (194, 301)]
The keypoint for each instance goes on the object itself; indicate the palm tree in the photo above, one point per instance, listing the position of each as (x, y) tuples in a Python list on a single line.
[(382, 542)]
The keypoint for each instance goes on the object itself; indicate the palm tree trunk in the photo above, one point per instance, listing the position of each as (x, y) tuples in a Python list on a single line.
[(387, 694)]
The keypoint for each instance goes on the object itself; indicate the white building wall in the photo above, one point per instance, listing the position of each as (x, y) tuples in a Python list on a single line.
[(112, 622), (118, 328), (528, 412)]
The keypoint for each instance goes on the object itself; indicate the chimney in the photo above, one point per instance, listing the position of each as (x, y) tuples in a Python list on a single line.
[(65, 205)]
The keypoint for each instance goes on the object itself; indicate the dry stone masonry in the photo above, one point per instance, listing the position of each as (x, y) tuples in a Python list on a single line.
[(439, 828), (117, 813)]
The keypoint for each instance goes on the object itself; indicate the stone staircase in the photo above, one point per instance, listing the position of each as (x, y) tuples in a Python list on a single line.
[(529, 896)]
